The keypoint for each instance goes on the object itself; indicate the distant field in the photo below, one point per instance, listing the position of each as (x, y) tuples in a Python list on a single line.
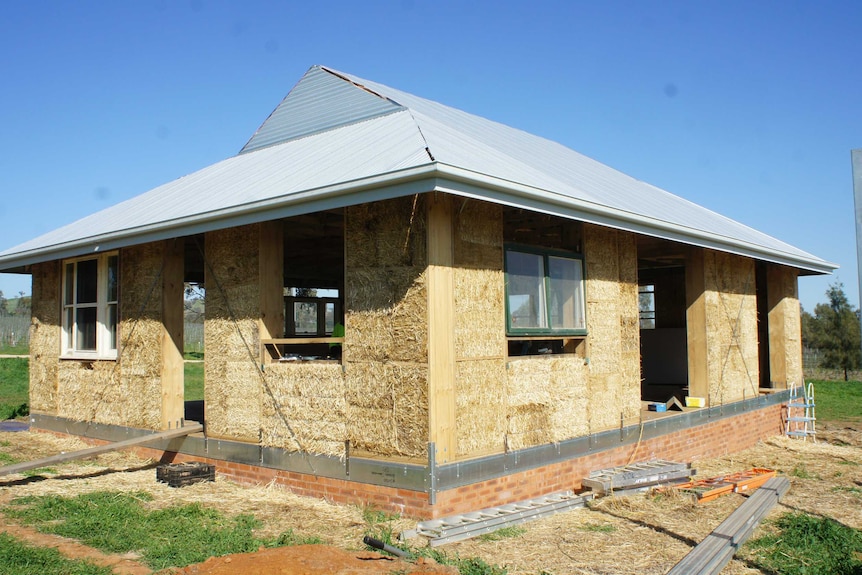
[(838, 400)]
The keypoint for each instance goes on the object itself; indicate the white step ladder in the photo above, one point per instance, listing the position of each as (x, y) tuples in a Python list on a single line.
[(801, 421)]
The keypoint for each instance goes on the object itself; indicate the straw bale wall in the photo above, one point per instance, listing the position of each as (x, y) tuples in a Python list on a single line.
[(45, 332), (126, 391), (731, 318), (385, 354), (304, 408), (480, 328), (613, 327), (785, 284), (231, 334)]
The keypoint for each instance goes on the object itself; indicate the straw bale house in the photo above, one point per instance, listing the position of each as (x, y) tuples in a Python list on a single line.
[(509, 308)]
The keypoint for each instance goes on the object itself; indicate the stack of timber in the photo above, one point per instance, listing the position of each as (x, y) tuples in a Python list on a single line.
[(714, 552), (468, 525), (637, 477), (740, 482)]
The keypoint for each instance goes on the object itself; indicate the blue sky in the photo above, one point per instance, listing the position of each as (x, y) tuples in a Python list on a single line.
[(748, 108)]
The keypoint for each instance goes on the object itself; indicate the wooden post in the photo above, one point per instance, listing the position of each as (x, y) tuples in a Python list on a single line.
[(783, 324), (173, 407), (696, 326), (271, 272), (441, 328)]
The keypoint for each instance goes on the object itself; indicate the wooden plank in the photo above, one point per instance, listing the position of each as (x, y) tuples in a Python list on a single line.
[(172, 376), (441, 328), (188, 429), (271, 277), (696, 326)]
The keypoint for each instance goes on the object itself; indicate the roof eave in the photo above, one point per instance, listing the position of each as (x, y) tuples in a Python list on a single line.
[(433, 176)]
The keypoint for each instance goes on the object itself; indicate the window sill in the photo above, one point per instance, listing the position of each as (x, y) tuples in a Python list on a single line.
[(87, 357), (545, 345)]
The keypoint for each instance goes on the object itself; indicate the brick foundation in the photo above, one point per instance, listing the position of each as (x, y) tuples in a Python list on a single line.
[(720, 437)]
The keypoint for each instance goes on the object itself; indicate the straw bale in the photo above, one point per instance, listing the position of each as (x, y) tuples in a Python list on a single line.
[(569, 381), (233, 401), (731, 327), (478, 240), (613, 326), (527, 426), (305, 408), (480, 329), (480, 405), (389, 233), (790, 309), (45, 333), (387, 407), (386, 318)]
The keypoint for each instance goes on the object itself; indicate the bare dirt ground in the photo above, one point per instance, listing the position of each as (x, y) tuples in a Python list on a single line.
[(637, 535)]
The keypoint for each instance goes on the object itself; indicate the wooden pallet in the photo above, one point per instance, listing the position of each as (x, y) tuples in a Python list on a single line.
[(714, 487)]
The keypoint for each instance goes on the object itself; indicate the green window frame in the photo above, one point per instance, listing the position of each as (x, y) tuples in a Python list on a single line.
[(544, 292)]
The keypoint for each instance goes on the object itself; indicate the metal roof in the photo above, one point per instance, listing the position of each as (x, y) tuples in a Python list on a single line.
[(338, 140)]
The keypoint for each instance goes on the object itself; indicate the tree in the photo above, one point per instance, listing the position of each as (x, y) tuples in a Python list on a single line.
[(4, 310), (834, 330)]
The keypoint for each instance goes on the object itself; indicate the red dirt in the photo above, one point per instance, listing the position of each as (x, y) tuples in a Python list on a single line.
[(312, 560), (71, 549)]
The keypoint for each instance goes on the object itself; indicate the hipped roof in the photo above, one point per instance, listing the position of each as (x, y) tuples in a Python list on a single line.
[(338, 140)]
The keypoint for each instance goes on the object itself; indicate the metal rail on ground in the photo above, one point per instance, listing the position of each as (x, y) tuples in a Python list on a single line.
[(718, 548), (188, 428)]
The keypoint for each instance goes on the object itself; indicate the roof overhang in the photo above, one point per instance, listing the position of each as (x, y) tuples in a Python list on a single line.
[(431, 177)]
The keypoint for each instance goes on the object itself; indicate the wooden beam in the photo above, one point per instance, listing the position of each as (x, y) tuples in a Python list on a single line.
[(271, 272), (696, 326), (173, 406), (441, 328), (99, 449)]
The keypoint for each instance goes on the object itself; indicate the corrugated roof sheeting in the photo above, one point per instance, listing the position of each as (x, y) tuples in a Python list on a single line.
[(335, 130), (353, 152), (490, 148), (320, 101)]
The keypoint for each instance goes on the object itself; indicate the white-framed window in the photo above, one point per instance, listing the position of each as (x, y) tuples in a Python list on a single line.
[(90, 295), (544, 292)]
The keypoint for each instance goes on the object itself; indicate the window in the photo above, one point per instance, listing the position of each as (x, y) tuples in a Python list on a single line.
[(314, 313), (646, 306), (90, 290), (544, 292)]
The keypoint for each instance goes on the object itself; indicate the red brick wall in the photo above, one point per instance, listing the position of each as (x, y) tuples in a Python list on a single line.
[(721, 437)]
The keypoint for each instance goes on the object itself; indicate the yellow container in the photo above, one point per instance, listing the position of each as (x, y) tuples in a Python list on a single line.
[(694, 401)]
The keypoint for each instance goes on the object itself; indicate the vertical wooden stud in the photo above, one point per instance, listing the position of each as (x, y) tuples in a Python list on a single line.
[(173, 407), (441, 328), (271, 268), (696, 326)]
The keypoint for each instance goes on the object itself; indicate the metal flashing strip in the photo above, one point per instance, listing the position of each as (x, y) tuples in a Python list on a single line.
[(458, 474), (429, 478)]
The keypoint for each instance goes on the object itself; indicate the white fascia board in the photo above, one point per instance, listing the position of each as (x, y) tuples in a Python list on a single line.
[(465, 183), (385, 186)]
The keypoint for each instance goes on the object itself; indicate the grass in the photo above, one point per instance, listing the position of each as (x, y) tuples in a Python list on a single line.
[(116, 522), (119, 523), (14, 387), (504, 533), (805, 545), (193, 377), (838, 400), (22, 559)]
